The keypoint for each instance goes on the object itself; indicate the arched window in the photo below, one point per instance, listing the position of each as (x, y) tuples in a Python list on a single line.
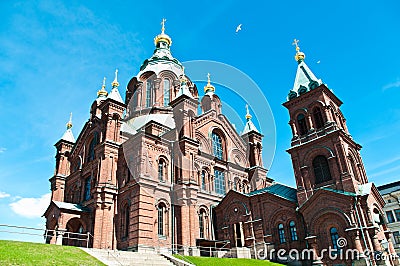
[(162, 167), (166, 92), (217, 145), (92, 145), (318, 120), (236, 185), (334, 238), (321, 169), (88, 182), (77, 164), (301, 121), (202, 223), (148, 92), (353, 168), (281, 233), (203, 180), (293, 231), (161, 219), (219, 182)]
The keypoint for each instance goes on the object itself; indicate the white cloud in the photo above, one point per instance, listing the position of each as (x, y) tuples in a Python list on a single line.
[(31, 207), (2, 149), (4, 195), (391, 85)]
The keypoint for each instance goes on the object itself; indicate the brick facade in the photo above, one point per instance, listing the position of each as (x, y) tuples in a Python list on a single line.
[(147, 173)]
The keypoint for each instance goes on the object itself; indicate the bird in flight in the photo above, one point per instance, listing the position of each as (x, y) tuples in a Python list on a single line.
[(319, 61), (238, 28)]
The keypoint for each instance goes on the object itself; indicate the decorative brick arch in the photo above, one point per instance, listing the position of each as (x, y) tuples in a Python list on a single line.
[(326, 212), (168, 74), (204, 208), (237, 156), (303, 111), (164, 201), (236, 216), (317, 150), (204, 142)]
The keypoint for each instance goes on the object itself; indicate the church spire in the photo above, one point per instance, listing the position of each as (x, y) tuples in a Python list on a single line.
[(68, 135), (209, 87), (184, 88), (249, 124), (115, 82), (102, 93), (114, 93), (305, 79), (161, 39)]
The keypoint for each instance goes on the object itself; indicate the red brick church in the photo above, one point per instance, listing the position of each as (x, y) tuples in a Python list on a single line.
[(154, 172)]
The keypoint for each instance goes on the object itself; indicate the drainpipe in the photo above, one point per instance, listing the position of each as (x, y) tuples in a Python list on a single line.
[(360, 225), (172, 198)]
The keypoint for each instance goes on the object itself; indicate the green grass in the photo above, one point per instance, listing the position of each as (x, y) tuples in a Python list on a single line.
[(25, 253), (206, 261)]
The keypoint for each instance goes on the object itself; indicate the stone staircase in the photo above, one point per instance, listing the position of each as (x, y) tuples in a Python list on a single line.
[(118, 258)]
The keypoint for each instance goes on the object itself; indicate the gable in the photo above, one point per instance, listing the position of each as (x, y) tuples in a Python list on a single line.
[(235, 146)]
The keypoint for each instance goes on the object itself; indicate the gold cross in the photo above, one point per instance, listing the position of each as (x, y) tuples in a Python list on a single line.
[(296, 42), (208, 77), (163, 25)]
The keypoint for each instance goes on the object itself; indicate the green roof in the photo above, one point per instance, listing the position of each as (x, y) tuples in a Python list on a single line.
[(279, 190), (339, 191)]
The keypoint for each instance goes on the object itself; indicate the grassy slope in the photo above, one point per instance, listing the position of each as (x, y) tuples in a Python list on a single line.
[(205, 261), (24, 253)]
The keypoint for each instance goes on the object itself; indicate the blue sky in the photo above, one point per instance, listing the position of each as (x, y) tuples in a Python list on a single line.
[(54, 55)]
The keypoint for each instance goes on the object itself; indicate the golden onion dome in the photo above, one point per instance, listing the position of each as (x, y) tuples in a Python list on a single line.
[(69, 124), (102, 91), (209, 87), (163, 37)]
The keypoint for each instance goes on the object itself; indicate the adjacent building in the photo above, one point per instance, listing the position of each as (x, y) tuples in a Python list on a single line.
[(391, 195)]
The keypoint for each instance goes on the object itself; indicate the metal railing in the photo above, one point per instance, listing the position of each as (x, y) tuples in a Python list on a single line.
[(47, 234)]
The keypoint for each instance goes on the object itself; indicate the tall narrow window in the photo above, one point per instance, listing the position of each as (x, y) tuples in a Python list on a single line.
[(397, 213), (293, 231), (166, 92), (281, 233), (334, 238), (317, 114), (203, 180), (219, 182), (88, 182), (126, 221), (201, 224), (396, 236), (390, 217), (92, 145), (161, 210), (148, 92), (321, 169), (238, 234), (301, 121), (135, 100), (353, 168), (161, 170), (217, 145)]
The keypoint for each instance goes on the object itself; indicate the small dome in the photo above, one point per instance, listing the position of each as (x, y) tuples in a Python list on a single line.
[(209, 87), (163, 38), (300, 56)]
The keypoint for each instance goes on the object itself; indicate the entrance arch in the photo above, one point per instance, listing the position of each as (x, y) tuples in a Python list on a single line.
[(76, 234)]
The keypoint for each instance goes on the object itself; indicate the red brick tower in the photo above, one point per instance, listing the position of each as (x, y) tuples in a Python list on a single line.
[(333, 192), (63, 146)]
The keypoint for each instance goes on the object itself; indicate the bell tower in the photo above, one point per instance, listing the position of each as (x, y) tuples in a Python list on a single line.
[(323, 152)]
